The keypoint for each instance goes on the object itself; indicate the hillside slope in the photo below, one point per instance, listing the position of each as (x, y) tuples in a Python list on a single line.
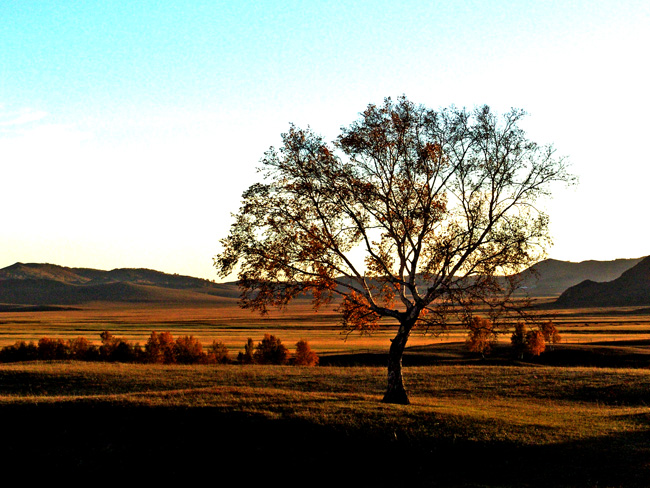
[(552, 277), (48, 284), (632, 288)]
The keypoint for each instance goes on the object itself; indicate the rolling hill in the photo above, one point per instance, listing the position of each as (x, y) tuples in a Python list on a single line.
[(632, 288), (48, 284), (552, 277), (35, 284)]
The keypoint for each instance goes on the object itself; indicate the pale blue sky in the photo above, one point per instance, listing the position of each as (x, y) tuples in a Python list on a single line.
[(128, 130)]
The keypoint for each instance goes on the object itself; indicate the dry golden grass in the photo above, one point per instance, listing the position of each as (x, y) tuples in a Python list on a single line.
[(466, 426), (524, 405), (230, 325), (322, 330)]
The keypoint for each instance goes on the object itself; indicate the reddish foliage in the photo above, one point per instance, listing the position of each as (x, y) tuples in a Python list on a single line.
[(481, 336), (304, 355), (535, 344), (270, 351)]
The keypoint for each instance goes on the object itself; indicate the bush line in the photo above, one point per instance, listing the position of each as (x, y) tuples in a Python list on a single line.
[(161, 348)]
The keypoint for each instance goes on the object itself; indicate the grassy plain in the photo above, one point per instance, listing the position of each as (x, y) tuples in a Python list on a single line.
[(233, 326), (228, 324), (472, 422), (467, 425)]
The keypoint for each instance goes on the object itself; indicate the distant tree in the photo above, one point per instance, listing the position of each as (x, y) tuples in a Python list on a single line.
[(518, 339), (108, 346), (219, 353), (550, 332), (246, 357), (81, 349), (304, 356), (19, 351), (124, 352), (482, 335), (440, 203), (188, 350), (535, 344), (116, 349), (270, 351), (160, 348), (51, 349)]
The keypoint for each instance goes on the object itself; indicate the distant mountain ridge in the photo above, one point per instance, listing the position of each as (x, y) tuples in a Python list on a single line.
[(552, 277), (84, 276), (632, 288), (37, 284), (50, 284)]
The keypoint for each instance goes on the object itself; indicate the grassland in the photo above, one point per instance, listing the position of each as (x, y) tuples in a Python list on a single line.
[(233, 326), (467, 425), (472, 421)]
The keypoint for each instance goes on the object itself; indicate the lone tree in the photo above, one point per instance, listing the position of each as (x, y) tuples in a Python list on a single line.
[(411, 215)]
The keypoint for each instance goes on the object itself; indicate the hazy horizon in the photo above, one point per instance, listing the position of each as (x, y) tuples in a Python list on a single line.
[(129, 132)]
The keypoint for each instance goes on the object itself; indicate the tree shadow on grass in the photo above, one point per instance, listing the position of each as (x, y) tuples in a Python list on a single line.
[(110, 443)]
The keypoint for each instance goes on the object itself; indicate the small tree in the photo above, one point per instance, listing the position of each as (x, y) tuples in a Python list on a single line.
[(81, 349), (246, 357), (518, 339), (550, 332), (535, 344), (482, 335), (160, 348), (19, 351), (50, 349), (188, 350), (109, 345), (304, 355), (218, 353), (270, 351)]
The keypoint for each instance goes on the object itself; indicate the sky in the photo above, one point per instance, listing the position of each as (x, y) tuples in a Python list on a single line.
[(130, 129)]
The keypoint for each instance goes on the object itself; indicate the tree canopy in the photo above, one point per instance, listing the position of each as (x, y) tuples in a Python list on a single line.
[(410, 214)]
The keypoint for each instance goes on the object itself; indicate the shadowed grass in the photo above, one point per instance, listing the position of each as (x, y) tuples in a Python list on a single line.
[(467, 425)]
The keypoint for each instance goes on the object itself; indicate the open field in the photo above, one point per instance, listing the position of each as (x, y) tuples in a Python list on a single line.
[(325, 426), (233, 326), (495, 421), (228, 324)]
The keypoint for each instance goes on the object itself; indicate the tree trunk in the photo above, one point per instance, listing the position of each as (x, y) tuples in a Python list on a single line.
[(395, 393)]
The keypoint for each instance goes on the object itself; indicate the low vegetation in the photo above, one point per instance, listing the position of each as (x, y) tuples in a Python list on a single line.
[(520, 426), (546, 420), (482, 336), (161, 348)]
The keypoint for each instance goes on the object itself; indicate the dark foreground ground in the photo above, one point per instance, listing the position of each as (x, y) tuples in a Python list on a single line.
[(95, 443), (615, 354)]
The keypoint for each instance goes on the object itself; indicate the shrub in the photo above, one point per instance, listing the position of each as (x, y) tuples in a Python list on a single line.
[(270, 351), (160, 348), (550, 332), (481, 335), (20, 351), (52, 349), (218, 353), (304, 355), (535, 344), (124, 352), (81, 349), (188, 350), (115, 349), (518, 339), (246, 357)]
